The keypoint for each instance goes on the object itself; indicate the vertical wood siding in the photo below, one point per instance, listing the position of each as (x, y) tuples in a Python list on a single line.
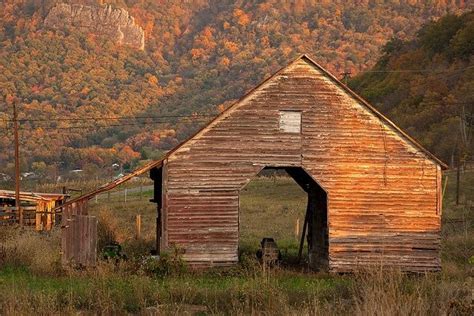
[(383, 192)]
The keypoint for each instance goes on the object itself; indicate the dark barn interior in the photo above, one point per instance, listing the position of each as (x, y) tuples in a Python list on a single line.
[(316, 219), (315, 226)]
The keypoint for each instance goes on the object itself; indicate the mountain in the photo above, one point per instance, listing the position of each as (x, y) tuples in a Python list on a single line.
[(87, 99), (426, 86)]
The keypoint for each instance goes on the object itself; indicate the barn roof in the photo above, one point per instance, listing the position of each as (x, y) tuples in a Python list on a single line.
[(305, 57), (369, 107)]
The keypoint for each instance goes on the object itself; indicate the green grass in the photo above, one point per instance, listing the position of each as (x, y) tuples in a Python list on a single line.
[(270, 208), (31, 281)]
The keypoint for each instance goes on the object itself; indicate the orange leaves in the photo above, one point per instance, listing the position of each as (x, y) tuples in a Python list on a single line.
[(295, 39), (231, 47), (265, 42), (207, 32), (205, 40), (286, 50), (36, 89), (221, 108), (149, 138), (197, 53), (148, 29), (224, 106), (127, 154), (265, 6), (152, 80), (10, 99), (242, 18), (85, 91), (224, 62)]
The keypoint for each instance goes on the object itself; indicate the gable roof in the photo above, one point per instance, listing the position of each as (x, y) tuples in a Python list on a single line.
[(357, 97), (372, 109), (305, 57)]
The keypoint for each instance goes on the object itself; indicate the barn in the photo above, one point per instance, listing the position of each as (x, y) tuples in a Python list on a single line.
[(374, 193)]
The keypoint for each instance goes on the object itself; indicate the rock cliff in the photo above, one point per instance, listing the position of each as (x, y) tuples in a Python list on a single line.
[(113, 23)]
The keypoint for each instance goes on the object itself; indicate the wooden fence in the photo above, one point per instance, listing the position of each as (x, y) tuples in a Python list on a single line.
[(79, 235), (79, 241), (9, 215)]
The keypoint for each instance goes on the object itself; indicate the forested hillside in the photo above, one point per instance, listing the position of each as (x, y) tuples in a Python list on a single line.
[(426, 86), (86, 102)]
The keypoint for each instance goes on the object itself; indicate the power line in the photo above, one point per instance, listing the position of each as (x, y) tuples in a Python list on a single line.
[(103, 126), (108, 118), (415, 70)]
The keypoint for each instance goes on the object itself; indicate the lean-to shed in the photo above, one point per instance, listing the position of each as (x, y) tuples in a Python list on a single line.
[(37, 209), (374, 193)]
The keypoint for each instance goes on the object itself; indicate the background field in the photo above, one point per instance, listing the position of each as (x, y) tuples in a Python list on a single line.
[(31, 279)]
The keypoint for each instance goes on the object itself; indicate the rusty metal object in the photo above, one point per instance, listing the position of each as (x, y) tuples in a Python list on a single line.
[(269, 254)]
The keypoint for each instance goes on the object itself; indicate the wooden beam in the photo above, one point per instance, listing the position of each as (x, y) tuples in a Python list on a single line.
[(303, 235)]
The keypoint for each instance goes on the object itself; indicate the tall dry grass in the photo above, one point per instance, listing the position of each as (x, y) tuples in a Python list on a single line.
[(37, 252), (391, 292), (147, 287)]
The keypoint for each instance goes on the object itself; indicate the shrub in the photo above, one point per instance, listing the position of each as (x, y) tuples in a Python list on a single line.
[(169, 263)]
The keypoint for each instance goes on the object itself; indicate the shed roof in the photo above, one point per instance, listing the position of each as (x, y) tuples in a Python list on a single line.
[(32, 196)]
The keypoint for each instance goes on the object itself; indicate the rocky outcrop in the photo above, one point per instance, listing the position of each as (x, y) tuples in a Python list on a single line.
[(113, 23)]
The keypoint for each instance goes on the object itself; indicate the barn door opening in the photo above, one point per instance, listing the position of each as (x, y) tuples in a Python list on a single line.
[(156, 174), (286, 204)]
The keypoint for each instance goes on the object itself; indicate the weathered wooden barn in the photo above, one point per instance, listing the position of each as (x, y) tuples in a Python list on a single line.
[(374, 193)]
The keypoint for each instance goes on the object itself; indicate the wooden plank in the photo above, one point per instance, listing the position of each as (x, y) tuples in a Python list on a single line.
[(79, 241)]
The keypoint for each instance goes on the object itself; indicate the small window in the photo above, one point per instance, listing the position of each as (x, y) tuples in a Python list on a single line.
[(290, 121)]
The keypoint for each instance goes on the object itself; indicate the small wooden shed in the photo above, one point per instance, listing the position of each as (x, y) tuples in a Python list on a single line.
[(38, 209), (374, 193)]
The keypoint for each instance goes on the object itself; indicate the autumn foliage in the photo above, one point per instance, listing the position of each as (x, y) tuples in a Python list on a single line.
[(80, 94)]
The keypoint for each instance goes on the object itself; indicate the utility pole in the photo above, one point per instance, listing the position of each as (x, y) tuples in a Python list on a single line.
[(17, 165)]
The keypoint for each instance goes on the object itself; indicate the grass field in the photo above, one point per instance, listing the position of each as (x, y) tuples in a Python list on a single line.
[(32, 281)]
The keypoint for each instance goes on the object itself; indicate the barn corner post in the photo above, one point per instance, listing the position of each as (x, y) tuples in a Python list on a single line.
[(317, 229), (156, 174)]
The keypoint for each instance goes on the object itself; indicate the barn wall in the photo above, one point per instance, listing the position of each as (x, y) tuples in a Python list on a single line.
[(382, 191)]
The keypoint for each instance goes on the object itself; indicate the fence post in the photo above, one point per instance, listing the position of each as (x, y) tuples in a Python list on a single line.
[(138, 226), (297, 228), (125, 195)]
